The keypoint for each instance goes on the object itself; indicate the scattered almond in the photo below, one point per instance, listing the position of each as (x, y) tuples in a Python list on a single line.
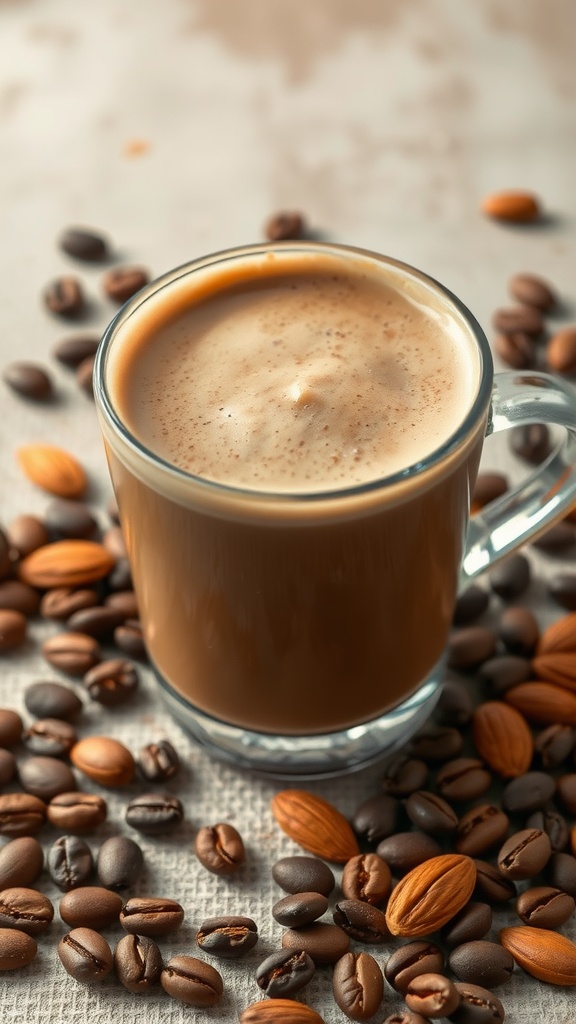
[(561, 351), (557, 668), (559, 637), (66, 563), (512, 206), (315, 825), (53, 469), (429, 895), (544, 703), (544, 954), (503, 738), (280, 1011)]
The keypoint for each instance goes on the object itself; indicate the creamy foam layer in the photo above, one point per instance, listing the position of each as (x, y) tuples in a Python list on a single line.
[(312, 374)]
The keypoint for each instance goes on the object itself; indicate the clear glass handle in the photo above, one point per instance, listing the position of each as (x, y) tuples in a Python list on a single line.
[(548, 494)]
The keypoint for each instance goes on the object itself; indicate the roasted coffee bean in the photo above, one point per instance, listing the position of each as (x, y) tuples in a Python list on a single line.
[(284, 225), (52, 700), (531, 442), (137, 962), (466, 778), (5, 556), (529, 792), (45, 777), (21, 862), (361, 921), (406, 850), (566, 791), (227, 937), (73, 653), (325, 943), (121, 283), (26, 909), (16, 949), (130, 639), (517, 349), (50, 737), (403, 775), (111, 682), (479, 829), (554, 744), (61, 603), (72, 351), (11, 727), (410, 961), (405, 1017), (21, 814), (77, 812), (455, 705), (553, 824), (505, 671), (472, 922), (285, 972), (432, 995), (70, 519), (83, 245), (430, 813), (477, 1005), (70, 862), (491, 884), (526, 319), (511, 577), (7, 766), (19, 596), (123, 601), (98, 622), (561, 873), (120, 578), (487, 488), (303, 874), (545, 907), (13, 626), (358, 985), (436, 743), (105, 760), (482, 963), (192, 981), (85, 955), (120, 863), (85, 376), (65, 297), (469, 647), (376, 818), (158, 762), (299, 909), (366, 877), (562, 589), (532, 291), (154, 814), (151, 916), (519, 631), (90, 906), (219, 848), (29, 380), (470, 605), (27, 533), (558, 539)]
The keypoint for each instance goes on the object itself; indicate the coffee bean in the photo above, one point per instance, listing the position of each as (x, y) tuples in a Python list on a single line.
[(137, 962), (158, 762), (151, 915), (561, 350), (303, 874), (325, 943), (5, 556), (531, 442), (558, 539), (21, 814), (65, 297), (357, 985), (90, 906), (505, 671), (529, 792), (366, 877), (11, 727), (61, 603), (84, 245), (285, 224), (466, 778), (410, 961), (85, 955), (120, 578), (7, 766), (154, 813), (73, 653), (561, 873), (519, 631), (491, 884), (26, 909), (482, 963), (479, 829), (219, 848), (29, 380), (192, 981), (554, 744), (403, 775), (455, 705), (121, 283), (487, 488), (112, 682), (52, 700), (432, 995), (436, 743), (21, 862), (470, 605), (566, 791), (98, 622), (532, 291), (85, 376), (70, 519), (13, 626), (405, 1017), (553, 824), (299, 909), (129, 638), (561, 588), (123, 601), (469, 647), (227, 937), (77, 812), (517, 349), (19, 596), (477, 1005), (120, 863), (73, 351), (376, 818), (406, 850), (45, 777), (16, 949), (285, 972), (50, 737), (472, 922), (361, 921), (70, 862), (511, 577), (525, 319), (105, 760), (545, 907), (430, 813)]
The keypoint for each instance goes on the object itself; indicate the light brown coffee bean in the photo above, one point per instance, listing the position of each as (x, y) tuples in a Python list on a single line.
[(324, 943), (26, 909), (526, 319), (151, 916), (21, 862), (5, 556), (21, 814), (64, 296), (121, 283), (137, 962), (72, 351), (26, 533), (366, 877), (7, 766), (11, 727), (358, 985), (285, 224), (16, 949), (123, 601), (220, 848), (411, 960), (60, 603), (13, 627), (73, 653), (545, 907), (29, 380), (432, 995), (105, 760), (19, 597), (192, 981), (77, 812), (517, 349), (533, 291), (86, 955)]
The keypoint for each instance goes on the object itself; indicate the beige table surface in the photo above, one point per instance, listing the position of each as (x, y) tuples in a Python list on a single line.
[(176, 128)]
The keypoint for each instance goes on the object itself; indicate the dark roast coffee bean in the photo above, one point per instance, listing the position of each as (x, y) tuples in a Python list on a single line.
[(376, 818), (129, 638), (7, 766), (123, 601), (50, 737), (19, 596), (284, 225), (527, 319), (545, 907), (11, 727), (16, 949), (120, 863), (524, 855), (26, 909), (554, 744), (432, 995), (85, 955), (517, 349), (72, 351), (466, 778), (561, 872), (477, 1005), (406, 850), (28, 380), (158, 762), (505, 671), (70, 862), (85, 376), (470, 605), (403, 775), (284, 973), (154, 814), (325, 943), (482, 963), (410, 961), (120, 578), (357, 985), (65, 297), (558, 539), (137, 962), (511, 577), (192, 981), (562, 589), (528, 792), (366, 877), (532, 291), (151, 916), (111, 682), (299, 909), (303, 874), (121, 283), (84, 245), (470, 646), (77, 812), (90, 906), (361, 921), (21, 814), (566, 791), (220, 849), (73, 653), (455, 705), (436, 743), (531, 442), (21, 862), (519, 631), (553, 824), (487, 488), (67, 519), (430, 813), (13, 626), (227, 937), (61, 603), (52, 700), (45, 777), (491, 884), (97, 622), (472, 922)]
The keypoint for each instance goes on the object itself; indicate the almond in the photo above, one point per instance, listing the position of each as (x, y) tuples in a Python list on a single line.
[(544, 954), (429, 895), (280, 1011), (315, 825), (53, 469), (514, 205), (503, 738), (544, 703), (559, 638), (66, 563), (557, 668), (561, 351)]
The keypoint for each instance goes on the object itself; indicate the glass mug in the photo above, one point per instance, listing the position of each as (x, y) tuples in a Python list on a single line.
[(302, 634)]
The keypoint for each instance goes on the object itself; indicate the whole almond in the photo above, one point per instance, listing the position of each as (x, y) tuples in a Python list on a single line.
[(557, 668), (503, 738), (561, 351), (315, 825), (513, 205), (429, 895), (53, 469), (280, 1011), (544, 954), (545, 703), (66, 563), (559, 638), (105, 760)]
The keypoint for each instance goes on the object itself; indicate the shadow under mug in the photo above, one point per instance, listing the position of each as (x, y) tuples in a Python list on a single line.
[(302, 635)]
